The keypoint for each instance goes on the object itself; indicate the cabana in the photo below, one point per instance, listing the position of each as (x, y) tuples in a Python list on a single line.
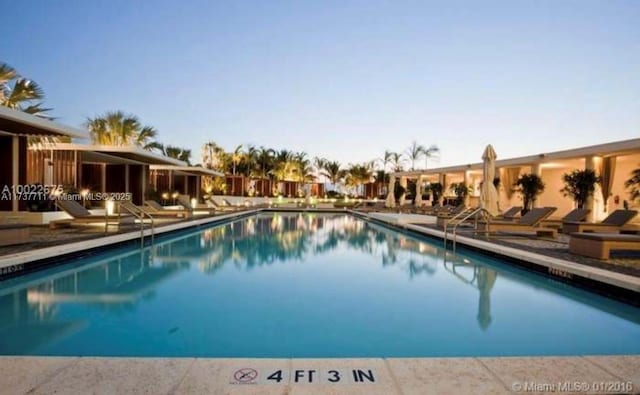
[(185, 180), (16, 128), (95, 168)]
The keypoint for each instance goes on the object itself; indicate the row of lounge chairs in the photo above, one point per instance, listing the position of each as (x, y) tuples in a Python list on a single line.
[(151, 209), (595, 240)]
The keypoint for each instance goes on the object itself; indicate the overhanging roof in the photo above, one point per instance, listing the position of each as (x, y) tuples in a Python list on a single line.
[(189, 170), (132, 154), (615, 148), (21, 123)]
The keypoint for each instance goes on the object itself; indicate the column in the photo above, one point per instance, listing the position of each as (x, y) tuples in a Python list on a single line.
[(103, 177), (143, 190), (126, 178), (15, 171), (465, 180), (418, 199)]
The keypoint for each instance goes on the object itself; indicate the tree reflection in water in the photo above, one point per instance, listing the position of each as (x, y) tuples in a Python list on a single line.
[(266, 239)]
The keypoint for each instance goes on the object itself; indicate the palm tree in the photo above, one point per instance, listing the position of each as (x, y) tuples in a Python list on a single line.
[(396, 161), (318, 164), (387, 159), (359, 174), (20, 93), (301, 167), (236, 157), (265, 161), (415, 152), (182, 154), (381, 177), (146, 139), (251, 160), (212, 156), (120, 129), (283, 164), (430, 153), (333, 172)]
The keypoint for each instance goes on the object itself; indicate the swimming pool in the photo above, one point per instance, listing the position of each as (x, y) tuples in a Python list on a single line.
[(304, 285)]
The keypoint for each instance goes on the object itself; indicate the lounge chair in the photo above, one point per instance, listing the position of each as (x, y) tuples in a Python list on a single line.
[(216, 206), (599, 245), (511, 214), (11, 234), (371, 206), (575, 215), (229, 204), (613, 223), (156, 208), (147, 212), (82, 216), (185, 202), (530, 222)]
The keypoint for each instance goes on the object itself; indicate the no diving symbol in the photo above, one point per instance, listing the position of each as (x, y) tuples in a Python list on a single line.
[(245, 375)]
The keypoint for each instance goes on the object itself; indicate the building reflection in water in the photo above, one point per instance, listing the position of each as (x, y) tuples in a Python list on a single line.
[(120, 283), (29, 313)]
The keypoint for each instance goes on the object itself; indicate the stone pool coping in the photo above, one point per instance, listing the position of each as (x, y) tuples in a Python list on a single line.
[(556, 267), (406, 376)]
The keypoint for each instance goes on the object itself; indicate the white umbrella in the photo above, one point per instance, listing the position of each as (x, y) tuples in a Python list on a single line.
[(488, 194), (418, 200), (391, 200)]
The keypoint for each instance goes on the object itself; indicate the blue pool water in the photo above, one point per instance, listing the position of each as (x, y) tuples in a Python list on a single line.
[(304, 285)]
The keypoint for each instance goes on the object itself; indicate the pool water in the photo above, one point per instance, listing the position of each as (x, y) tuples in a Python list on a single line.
[(304, 285)]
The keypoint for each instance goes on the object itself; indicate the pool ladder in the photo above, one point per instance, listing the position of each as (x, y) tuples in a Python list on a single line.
[(140, 215), (460, 218)]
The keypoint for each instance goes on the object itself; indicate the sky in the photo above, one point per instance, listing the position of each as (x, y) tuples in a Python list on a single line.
[(343, 80)]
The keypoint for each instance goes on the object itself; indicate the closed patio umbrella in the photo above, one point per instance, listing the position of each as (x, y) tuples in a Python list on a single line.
[(488, 193), (418, 199), (391, 199)]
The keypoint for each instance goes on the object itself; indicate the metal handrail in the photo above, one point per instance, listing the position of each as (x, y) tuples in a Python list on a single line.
[(140, 215), (466, 217)]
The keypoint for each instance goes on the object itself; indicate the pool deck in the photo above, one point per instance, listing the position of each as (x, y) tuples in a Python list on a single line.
[(555, 267), (19, 259), (69, 375)]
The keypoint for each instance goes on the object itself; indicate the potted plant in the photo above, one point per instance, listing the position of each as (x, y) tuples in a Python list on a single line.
[(633, 184), (580, 185), (529, 186), (412, 189), (436, 191), (461, 190)]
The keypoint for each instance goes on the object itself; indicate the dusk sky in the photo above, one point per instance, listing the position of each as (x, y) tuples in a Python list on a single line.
[(343, 80)]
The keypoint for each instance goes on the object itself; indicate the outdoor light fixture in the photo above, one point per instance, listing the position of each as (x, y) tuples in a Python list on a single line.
[(84, 193), (175, 195), (110, 207), (165, 196), (194, 203)]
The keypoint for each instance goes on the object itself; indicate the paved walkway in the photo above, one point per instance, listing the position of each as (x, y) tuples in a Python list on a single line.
[(49, 375)]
